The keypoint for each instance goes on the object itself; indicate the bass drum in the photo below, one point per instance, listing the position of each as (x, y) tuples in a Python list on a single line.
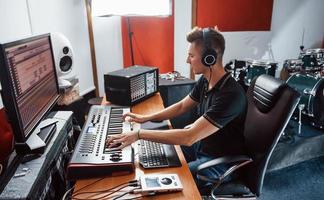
[(311, 89)]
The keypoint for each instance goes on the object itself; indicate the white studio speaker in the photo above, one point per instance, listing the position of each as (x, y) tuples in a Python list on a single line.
[(64, 63)]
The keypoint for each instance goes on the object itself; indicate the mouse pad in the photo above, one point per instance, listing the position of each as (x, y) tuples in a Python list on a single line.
[(155, 125)]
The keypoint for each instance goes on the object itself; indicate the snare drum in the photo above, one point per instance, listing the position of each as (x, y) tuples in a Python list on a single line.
[(313, 59), (318, 53), (312, 96), (257, 67)]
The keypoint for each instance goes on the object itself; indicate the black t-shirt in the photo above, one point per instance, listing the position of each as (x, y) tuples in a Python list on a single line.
[(225, 107)]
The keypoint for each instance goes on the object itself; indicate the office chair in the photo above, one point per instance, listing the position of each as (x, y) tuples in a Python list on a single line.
[(270, 105)]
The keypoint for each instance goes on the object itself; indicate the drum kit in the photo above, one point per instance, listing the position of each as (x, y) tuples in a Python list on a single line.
[(310, 61), (305, 74), (244, 71)]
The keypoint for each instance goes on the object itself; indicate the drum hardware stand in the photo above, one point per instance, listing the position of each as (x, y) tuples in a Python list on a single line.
[(300, 108), (308, 91), (288, 136), (301, 47)]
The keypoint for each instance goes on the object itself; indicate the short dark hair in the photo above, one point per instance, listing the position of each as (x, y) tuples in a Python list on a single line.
[(216, 38)]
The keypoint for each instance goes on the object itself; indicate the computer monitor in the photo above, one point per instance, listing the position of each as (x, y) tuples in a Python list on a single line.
[(29, 82)]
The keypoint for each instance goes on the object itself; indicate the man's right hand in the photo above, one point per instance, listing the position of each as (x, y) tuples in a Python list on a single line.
[(132, 117)]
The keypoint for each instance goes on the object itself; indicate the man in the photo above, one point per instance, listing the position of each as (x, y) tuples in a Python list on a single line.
[(221, 102)]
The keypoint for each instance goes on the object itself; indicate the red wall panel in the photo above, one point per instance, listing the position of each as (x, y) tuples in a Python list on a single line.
[(234, 15), (153, 42)]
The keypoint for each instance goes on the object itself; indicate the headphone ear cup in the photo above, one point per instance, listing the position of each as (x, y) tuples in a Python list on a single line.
[(209, 57)]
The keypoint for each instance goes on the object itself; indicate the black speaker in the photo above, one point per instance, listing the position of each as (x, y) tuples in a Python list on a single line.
[(173, 92), (209, 55)]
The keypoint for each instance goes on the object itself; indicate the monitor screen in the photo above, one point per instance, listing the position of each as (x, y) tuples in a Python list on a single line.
[(29, 82)]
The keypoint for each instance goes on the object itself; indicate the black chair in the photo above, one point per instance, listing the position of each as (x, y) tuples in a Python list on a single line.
[(271, 103)]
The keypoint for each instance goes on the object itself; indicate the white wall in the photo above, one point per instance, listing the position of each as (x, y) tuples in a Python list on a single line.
[(14, 21), (108, 46), (68, 17), (18, 26), (249, 44), (24, 18), (182, 25), (289, 19)]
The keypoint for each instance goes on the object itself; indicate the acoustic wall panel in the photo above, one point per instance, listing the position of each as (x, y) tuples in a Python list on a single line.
[(233, 15)]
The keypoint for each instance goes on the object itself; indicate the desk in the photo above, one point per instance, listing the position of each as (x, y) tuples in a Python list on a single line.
[(190, 190)]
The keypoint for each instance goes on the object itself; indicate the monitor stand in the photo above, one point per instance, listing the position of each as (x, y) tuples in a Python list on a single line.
[(47, 132), (36, 142)]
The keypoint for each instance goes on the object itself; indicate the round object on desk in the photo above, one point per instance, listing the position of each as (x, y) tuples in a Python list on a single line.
[(166, 181), (95, 101)]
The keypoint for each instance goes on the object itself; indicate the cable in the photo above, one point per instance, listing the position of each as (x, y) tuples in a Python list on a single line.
[(139, 50), (207, 86), (90, 192), (89, 185), (132, 183), (128, 192), (67, 192), (97, 193), (210, 74)]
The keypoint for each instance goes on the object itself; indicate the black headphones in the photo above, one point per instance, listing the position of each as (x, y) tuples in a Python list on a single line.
[(209, 55)]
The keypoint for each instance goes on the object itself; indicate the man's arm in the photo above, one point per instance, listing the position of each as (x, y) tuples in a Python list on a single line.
[(168, 113), (175, 109), (200, 129)]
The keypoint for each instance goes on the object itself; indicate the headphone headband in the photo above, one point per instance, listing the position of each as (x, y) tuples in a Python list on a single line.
[(209, 55), (206, 38)]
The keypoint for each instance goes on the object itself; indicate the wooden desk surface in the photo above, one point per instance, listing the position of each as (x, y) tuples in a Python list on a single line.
[(190, 190)]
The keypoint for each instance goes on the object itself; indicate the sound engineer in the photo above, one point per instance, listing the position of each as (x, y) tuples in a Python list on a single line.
[(221, 102)]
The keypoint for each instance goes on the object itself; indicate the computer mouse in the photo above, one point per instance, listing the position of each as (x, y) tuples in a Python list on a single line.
[(166, 181)]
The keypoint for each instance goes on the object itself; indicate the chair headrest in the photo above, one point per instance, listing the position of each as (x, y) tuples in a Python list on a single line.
[(266, 92)]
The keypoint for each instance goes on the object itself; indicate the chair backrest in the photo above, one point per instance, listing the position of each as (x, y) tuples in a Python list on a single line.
[(271, 103)]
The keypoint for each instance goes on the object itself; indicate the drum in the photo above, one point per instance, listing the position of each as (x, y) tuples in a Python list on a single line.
[(293, 65), (311, 89), (312, 60), (317, 53), (235, 67), (319, 56), (257, 67), (289, 67)]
